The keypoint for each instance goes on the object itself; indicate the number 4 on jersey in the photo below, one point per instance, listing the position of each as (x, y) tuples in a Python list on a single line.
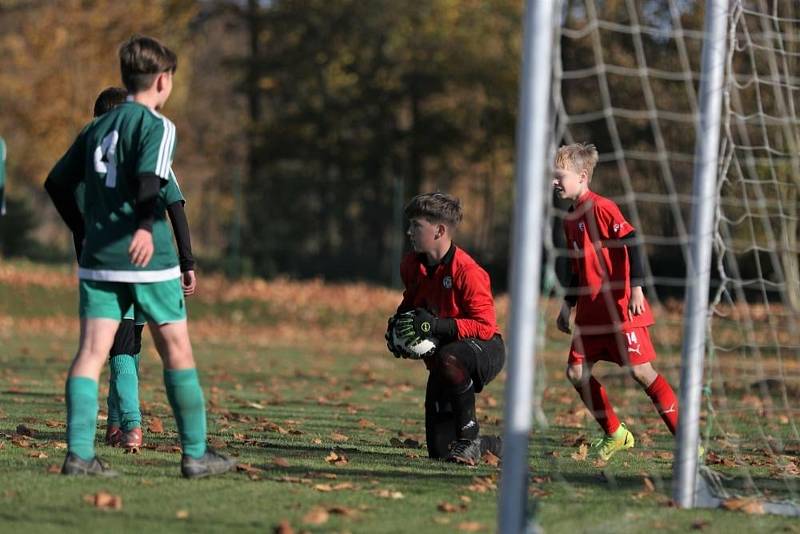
[(105, 158)]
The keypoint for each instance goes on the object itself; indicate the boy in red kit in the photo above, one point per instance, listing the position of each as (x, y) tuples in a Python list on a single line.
[(451, 297), (612, 314)]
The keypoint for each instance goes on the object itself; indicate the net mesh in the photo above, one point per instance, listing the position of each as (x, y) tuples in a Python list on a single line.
[(626, 77)]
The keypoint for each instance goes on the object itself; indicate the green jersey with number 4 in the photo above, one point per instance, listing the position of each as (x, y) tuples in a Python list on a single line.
[(108, 156)]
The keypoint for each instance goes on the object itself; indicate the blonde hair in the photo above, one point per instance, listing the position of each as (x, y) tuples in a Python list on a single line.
[(577, 157)]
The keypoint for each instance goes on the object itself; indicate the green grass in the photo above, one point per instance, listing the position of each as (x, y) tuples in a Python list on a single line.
[(279, 408)]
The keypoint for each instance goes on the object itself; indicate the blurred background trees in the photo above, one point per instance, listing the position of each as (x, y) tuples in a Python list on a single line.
[(305, 125)]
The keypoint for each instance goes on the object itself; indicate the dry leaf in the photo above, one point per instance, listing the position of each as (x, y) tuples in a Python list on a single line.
[(156, 426), (182, 514), (470, 526), (581, 454), (748, 506), (316, 516), (649, 487), (284, 527), (54, 469), (104, 500), (389, 494), (343, 511), (700, 524), (316, 441), (38, 454), (339, 438), (336, 458), (447, 507), (490, 459), (280, 462)]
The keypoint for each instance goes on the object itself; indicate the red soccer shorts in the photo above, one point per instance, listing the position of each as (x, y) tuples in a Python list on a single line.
[(632, 347)]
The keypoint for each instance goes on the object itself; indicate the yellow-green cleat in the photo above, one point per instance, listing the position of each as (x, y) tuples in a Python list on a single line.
[(620, 440)]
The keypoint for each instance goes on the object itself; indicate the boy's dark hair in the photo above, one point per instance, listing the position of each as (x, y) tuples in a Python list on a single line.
[(108, 99), (143, 58), (435, 208)]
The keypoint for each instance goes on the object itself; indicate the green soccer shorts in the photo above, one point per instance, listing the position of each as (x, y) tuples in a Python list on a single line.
[(156, 302)]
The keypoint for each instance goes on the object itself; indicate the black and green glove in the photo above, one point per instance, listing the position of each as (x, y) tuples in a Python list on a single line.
[(423, 324), (394, 349)]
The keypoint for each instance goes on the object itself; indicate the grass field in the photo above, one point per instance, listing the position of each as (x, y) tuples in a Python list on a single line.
[(327, 428)]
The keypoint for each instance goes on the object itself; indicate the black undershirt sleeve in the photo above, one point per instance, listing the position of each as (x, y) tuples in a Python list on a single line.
[(180, 227), (63, 198), (571, 295), (635, 259), (146, 198)]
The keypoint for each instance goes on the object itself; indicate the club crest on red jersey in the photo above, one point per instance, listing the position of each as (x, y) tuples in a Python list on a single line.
[(447, 282)]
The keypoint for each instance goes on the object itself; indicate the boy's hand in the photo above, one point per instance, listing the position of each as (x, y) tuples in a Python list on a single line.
[(562, 321), (188, 283), (636, 303), (141, 249)]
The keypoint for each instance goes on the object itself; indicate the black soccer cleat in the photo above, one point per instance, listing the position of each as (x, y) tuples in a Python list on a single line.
[(493, 444), (74, 465), (210, 464), (466, 452)]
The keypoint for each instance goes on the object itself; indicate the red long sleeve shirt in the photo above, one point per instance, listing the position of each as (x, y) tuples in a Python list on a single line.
[(456, 288), (603, 267)]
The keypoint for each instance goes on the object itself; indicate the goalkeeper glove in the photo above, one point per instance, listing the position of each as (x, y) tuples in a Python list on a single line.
[(423, 324), (389, 335)]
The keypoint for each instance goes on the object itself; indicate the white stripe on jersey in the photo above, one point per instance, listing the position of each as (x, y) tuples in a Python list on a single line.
[(165, 148), (130, 277), (168, 153)]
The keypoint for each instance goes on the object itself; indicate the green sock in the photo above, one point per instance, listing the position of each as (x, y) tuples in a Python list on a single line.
[(81, 394), (112, 401), (125, 379), (188, 406)]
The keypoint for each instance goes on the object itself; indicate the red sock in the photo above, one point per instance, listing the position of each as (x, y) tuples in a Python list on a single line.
[(660, 392), (595, 398)]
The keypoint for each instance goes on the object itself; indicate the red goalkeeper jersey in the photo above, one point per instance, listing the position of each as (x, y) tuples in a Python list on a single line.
[(593, 228), (456, 288)]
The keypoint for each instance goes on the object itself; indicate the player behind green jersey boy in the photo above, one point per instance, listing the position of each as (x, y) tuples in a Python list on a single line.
[(124, 425), (125, 157)]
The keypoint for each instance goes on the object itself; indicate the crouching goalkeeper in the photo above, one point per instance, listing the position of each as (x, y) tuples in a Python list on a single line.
[(450, 298)]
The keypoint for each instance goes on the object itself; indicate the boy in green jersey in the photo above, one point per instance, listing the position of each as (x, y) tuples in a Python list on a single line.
[(124, 425), (124, 157)]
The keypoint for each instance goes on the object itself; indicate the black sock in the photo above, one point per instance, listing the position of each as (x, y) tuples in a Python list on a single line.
[(464, 411)]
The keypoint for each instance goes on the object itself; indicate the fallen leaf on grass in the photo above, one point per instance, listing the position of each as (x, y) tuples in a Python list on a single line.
[(447, 507), (59, 445), (366, 423), (700, 524), (748, 506), (54, 469), (284, 527), (51, 423), (38, 454), (490, 459), (182, 514), (336, 458), (280, 462), (104, 500), (339, 438), (343, 511), (316, 516), (482, 484), (389, 494), (649, 487), (581, 454), (156, 426), (470, 526), (316, 441)]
